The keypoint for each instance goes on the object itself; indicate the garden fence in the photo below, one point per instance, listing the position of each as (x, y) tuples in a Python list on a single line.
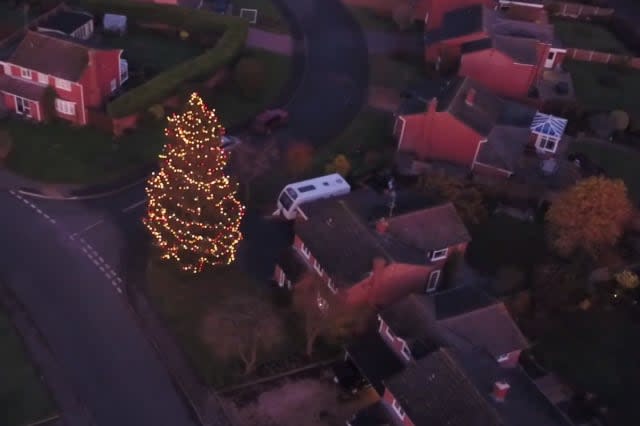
[(577, 10), (604, 58)]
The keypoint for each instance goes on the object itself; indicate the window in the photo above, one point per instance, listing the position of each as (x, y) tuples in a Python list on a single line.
[(63, 84), (432, 282), (503, 358), (398, 409), (114, 85), (406, 353), (547, 144), (389, 333), (333, 288), (317, 267), (306, 188), (43, 78), (23, 106), (305, 250), (25, 73), (439, 254), (65, 107), (551, 55)]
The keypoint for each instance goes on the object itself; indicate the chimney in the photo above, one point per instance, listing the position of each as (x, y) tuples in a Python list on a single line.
[(382, 225), (432, 105), (471, 97), (500, 390)]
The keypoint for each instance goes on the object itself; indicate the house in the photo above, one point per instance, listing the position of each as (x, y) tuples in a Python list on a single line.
[(432, 12), (374, 247), (82, 77), (469, 126), (70, 23), (452, 374)]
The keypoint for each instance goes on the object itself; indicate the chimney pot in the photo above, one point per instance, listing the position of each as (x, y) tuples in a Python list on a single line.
[(500, 390), (471, 97), (382, 225)]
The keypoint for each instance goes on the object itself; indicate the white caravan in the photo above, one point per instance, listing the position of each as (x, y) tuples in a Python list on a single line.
[(296, 194)]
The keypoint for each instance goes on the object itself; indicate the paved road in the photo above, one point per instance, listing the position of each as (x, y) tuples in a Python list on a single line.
[(74, 288)]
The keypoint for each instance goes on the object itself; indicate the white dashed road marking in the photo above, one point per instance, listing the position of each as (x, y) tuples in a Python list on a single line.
[(134, 205), (91, 253)]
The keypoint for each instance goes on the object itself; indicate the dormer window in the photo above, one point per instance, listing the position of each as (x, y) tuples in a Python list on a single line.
[(439, 254), (398, 409), (25, 73)]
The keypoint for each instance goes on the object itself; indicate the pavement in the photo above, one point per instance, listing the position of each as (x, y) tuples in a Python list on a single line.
[(77, 266)]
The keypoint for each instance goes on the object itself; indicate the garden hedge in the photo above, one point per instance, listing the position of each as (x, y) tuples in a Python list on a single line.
[(233, 30)]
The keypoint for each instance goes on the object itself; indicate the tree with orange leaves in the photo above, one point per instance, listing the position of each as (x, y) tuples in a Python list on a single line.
[(589, 217)]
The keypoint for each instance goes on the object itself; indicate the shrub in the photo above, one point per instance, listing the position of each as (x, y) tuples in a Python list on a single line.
[(156, 90), (299, 158), (508, 280), (249, 75), (157, 111), (340, 165)]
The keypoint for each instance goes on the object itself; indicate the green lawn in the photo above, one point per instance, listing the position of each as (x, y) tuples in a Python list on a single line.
[(506, 241), (386, 71), (620, 163), (369, 132), (269, 17), (602, 87), (598, 351), (370, 21), (184, 301), (152, 49), (583, 35), (234, 108), (60, 153), (23, 397)]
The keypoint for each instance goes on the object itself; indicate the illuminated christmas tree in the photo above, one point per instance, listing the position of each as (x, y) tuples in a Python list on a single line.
[(193, 214)]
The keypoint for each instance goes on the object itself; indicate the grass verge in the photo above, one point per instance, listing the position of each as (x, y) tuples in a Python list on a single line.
[(616, 161), (269, 17), (603, 87), (24, 398)]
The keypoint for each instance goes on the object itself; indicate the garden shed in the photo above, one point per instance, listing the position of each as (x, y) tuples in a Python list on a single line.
[(114, 23)]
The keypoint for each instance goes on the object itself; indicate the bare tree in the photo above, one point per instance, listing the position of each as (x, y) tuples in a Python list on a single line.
[(242, 328), (326, 313)]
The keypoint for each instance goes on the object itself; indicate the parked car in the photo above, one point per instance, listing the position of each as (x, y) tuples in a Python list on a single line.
[(270, 120), (347, 376), (229, 142)]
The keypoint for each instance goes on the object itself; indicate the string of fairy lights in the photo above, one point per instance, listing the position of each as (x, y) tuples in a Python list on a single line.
[(193, 214)]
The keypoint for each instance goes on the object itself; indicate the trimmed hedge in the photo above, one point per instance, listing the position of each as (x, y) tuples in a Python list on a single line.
[(234, 32)]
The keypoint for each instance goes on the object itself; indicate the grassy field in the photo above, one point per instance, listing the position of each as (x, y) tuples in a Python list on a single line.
[(369, 132), (602, 87), (60, 153), (269, 17), (506, 241), (583, 35), (185, 301), (617, 162), (145, 48), (23, 397), (234, 108), (386, 71)]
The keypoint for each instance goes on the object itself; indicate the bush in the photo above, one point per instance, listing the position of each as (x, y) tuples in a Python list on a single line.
[(249, 75), (508, 280), (157, 111), (156, 90)]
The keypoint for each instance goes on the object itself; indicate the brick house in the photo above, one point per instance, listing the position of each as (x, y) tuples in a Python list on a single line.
[(82, 76), (467, 125), (356, 247), (449, 380)]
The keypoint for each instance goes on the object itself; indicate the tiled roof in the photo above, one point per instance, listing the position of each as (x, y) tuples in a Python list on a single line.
[(436, 391), (22, 88), (430, 229), (340, 232), (521, 50), (374, 359), (504, 147), (460, 300), (51, 55), (491, 328), (66, 21), (374, 415)]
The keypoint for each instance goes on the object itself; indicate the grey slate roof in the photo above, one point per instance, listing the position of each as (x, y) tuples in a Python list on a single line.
[(504, 147), (521, 50), (460, 300), (66, 21), (340, 232), (436, 391), (374, 415), (461, 22)]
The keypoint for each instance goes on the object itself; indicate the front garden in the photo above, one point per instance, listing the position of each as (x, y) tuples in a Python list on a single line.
[(216, 314), (24, 398)]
